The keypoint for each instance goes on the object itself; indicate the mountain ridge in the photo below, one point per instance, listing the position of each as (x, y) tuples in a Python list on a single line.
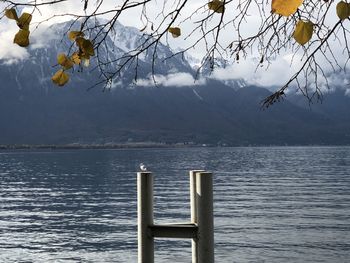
[(34, 111)]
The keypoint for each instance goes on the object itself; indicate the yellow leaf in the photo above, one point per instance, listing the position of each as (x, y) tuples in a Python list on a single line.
[(22, 38), (24, 21), (72, 35), (79, 41), (84, 56), (64, 61), (175, 31), (11, 14), (217, 6), (76, 58), (88, 48), (285, 7), (303, 32), (85, 46), (60, 78), (343, 10)]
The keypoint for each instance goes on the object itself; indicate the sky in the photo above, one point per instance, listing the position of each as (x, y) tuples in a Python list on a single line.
[(274, 74)]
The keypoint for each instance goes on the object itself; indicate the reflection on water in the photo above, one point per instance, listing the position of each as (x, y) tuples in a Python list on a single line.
[(271, 204)]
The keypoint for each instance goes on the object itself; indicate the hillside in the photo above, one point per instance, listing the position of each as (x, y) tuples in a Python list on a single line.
[(34, 111)]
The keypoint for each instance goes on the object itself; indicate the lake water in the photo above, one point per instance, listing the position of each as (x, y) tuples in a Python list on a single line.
[(283, 204)]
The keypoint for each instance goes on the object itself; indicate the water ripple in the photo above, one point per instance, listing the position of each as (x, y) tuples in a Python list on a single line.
[(280, 204)]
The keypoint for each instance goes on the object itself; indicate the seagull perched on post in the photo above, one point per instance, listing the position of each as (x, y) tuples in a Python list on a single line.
[(143, 167)]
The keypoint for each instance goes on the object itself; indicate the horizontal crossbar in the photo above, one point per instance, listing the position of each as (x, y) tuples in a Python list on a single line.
[(174, 230)]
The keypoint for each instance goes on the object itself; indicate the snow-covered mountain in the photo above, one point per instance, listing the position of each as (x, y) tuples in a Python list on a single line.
[(52, 41), (34, 111)]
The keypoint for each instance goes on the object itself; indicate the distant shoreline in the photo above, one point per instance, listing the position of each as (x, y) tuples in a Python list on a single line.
[(138, 145), (91, 146)]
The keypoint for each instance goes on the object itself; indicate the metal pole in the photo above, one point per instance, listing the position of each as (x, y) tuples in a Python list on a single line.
[(205, 221), (193, 194), (200, 230), (145, 217)]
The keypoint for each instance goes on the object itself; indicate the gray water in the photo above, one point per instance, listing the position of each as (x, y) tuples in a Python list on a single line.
[(287, 204)]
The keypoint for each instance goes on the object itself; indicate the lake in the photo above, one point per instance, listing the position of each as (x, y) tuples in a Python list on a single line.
[(271, 204)]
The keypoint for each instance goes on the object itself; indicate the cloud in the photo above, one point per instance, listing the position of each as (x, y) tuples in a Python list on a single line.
[(42, 36), (279, 71), (180, 79), (347, 92), (276, 74), (9, 52), (337, 80)]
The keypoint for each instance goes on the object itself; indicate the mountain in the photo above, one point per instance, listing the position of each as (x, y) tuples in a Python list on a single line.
[(34, 111)]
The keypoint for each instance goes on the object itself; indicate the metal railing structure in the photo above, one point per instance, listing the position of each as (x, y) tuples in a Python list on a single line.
[(200, 229)]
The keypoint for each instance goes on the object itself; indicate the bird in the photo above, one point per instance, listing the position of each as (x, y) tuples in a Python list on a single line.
[(143, 167)]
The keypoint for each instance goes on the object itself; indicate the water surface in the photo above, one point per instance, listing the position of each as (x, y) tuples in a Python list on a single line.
[(283, 204)]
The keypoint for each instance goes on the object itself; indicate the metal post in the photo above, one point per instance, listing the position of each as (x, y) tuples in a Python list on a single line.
[(145, 217), (200, 229), (193, 198), (205, 221)]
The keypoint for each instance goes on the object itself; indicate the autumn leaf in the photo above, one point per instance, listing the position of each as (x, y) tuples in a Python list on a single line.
[(217, 6), (303, 31), (175, 31), (60, 78), (11, 14), (285, 7), (76, 58), (64, 61), (72, 35), (24, 21), (22, 38), (343, 10), (85, 46)]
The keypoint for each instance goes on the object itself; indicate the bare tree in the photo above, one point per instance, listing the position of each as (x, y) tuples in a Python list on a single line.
[(314, 30)]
